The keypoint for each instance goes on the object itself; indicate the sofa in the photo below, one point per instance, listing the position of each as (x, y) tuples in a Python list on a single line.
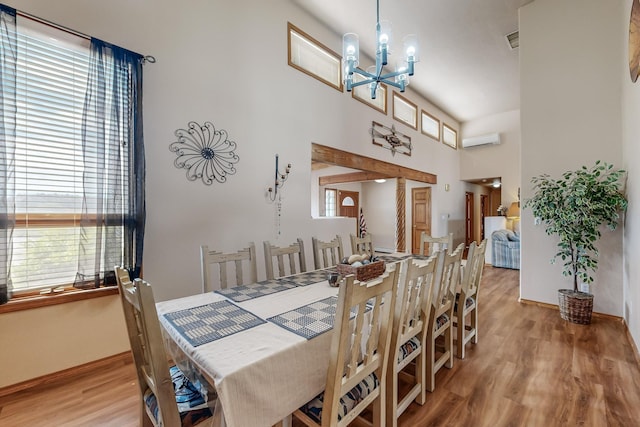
[(505, 249)]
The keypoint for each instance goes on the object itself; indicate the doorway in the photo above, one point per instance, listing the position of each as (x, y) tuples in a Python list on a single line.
[(420, 215), (484, 211), (349, 205), (371, 168), (469, 217)]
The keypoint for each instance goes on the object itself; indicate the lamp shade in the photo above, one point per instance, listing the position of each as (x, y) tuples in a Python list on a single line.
[(351, 48), (514, 210), (411, 48), (403, 74), (385, 36)]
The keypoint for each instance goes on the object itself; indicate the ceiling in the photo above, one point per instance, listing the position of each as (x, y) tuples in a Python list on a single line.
[(485, 182), (466, 67)]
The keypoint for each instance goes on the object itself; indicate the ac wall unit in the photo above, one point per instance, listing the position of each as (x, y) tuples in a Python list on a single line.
[(491, 139)]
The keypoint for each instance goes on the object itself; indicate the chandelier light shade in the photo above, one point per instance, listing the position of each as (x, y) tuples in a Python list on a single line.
[(373, 76)]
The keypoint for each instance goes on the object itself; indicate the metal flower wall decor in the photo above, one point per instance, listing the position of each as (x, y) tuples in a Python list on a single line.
[(206, 153)]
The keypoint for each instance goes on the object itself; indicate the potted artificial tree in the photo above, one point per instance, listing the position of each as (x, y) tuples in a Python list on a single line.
[(573, 208)]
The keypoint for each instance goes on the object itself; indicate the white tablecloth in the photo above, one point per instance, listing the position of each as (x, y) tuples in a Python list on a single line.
[(264, 373)]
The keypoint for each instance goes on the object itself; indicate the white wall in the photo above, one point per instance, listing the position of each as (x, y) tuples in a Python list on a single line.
[(218, 63), (39, 341), (494, 160), (379, 210), (631, 152), (570, 59), (447, 207)]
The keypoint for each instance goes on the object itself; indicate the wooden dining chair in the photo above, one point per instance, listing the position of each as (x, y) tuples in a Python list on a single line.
[(361, 245), (358, 356), (434, 244), (327, 254), (290, 253), (467, 300), (244, 257), (167, 397), (409, 334), (441, 316)]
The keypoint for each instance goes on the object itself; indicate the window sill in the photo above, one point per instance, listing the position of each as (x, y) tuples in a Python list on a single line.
[(69, 295)]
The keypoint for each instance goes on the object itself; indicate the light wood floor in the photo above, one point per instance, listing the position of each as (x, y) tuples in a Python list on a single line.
[(530, 368)]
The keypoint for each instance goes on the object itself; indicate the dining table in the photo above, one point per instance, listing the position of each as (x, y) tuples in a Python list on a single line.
[(264, 346)]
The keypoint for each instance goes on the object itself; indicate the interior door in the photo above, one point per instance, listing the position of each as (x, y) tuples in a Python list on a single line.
[(496, 201), (420, 215), (469, 217), (349, 206), (484, 211), (348, 203)]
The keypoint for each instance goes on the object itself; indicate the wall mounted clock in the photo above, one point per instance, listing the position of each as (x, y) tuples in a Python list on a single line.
[(634, 41)]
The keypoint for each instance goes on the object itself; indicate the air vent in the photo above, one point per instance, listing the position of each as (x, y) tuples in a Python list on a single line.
[(513, 39)]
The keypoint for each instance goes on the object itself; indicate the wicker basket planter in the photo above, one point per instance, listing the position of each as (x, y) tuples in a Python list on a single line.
[(576, 307), (362, 273)]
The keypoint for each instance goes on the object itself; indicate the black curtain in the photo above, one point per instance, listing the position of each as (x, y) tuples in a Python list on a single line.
[(113, 214), (8, 53)]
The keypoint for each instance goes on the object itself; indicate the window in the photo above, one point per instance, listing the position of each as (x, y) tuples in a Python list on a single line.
[(405, 111), (72, 184), (430, 126), (330, 196), (363, 94), (313, 58), (51, 80), (449, 136)]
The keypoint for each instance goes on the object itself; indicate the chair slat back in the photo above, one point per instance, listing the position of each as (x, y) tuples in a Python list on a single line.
[(361, 245), (244, 257), (433, 244), (327, 254), (359, 346), (413, 303), (466, 269), (448, 276), (410, 322), (280, 255), (147, 345), (473, 269)]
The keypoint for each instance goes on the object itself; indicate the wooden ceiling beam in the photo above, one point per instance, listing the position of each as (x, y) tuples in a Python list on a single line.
[(350, 177), (334, 156)]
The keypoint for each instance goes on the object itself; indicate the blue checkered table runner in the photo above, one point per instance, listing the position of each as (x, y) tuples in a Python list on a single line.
[(420, 257), (255, 290), (309, 320), (390, 258), (310, 277), (312, 319), (207, 323)]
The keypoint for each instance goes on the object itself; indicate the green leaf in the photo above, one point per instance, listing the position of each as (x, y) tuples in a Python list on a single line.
[(574, 207)]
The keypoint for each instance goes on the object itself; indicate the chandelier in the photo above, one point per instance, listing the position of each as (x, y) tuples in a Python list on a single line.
[(374, 74)]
